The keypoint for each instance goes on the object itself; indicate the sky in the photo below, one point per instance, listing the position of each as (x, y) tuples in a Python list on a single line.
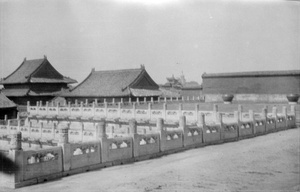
[(169, 37)]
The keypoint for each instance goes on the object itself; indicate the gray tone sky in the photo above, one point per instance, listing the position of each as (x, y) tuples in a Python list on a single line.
[(192, 36)]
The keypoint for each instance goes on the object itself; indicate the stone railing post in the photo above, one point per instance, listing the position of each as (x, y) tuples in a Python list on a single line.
[(41, 129), (122, 101), (130, 100), (101, 130), (201, 120), (196, 112), (82, 131), (16, 141), (182, 98), (16, 156), (137, 100), (179, 110), (265, 117), (113, 100), (105, 108), (293, 110), (134, 110), (152, 100), (160, 124), (28, 106), (96, 102), (63, 141), (220, 121), (81, 108), (251, 117), (149, 110), (112, 131), (145, 99), (86, 102), (165, 99), (132, 126), (119, 109), (284, 113), (47, 109), (274, 112), (18, 124), (240, 110), (53, 130), (237, 120), (182, 123), (165, 111), (215, 111), (158, 100)]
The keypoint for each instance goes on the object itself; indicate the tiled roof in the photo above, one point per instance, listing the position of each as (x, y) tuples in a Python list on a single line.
[(27, 92), (15, 92), (145, 92), (36, 71), (113, 83), (253, 74), (5, 102)]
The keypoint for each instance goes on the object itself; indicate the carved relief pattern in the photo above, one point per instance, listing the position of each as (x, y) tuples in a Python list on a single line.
[(42, 157)]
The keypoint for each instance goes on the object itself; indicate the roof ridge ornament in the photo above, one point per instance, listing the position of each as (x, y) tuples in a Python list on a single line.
[(93, 69), (24, 58), (142, 66), (45, 56)]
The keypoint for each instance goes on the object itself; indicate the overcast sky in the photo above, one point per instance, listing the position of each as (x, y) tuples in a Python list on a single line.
[(168, 37)]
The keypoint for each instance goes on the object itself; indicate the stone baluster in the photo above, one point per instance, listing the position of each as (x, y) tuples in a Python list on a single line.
[(165, 99), (152, 100), (145, 99), (130, 100)]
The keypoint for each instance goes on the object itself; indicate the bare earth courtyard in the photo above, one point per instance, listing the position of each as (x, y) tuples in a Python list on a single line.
[(265, 163)]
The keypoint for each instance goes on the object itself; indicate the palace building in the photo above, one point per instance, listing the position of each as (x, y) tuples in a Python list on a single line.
[(34, 80), (115, 85)]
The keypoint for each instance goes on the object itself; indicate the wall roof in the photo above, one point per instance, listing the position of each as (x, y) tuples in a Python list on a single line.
[(252, 74)]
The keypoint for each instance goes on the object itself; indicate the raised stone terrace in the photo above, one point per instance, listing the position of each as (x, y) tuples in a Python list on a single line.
[(56, 141)]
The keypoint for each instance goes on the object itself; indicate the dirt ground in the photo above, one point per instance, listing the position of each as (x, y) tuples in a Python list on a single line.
[(264, 163)]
